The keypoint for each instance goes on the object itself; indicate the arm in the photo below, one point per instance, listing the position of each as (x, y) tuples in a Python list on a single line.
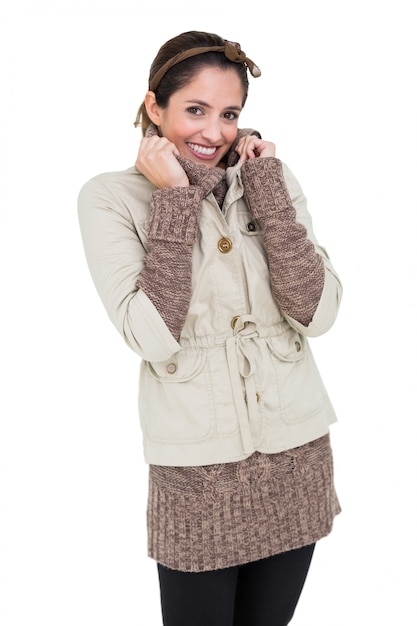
[(145, 292), (297, 271), (111, 214), (303, 282), (166, 277)]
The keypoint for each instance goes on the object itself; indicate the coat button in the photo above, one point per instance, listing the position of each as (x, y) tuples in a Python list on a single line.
[(251, 227), (297, 346), (224, 245), (171, 368)]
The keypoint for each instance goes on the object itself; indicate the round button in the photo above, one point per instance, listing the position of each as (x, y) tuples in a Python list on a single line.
[(224, 245), (251, 227), (298, 346), (171, 368)]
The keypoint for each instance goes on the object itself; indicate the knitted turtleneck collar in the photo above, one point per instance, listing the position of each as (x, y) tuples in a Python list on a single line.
[(231, 157), (196, 173)]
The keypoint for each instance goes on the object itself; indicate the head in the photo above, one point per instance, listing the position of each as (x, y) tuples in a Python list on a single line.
[(183, 71)]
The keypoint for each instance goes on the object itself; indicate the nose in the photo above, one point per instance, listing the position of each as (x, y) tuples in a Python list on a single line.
[(212, 131)]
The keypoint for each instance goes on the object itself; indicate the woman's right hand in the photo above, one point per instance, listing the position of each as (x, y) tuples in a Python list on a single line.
[(157, 161)]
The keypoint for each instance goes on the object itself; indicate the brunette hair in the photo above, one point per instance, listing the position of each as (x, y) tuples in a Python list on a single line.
[(180, 74)]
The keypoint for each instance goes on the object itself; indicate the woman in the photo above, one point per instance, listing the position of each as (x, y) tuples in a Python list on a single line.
[(205, 259)]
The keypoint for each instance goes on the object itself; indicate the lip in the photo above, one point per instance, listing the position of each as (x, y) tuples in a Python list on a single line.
[(205, 153)]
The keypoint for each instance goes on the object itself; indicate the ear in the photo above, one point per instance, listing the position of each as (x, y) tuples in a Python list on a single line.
[(152, 108)]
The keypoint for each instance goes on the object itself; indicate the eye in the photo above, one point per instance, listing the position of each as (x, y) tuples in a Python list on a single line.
[(231, 115), (195, 111)]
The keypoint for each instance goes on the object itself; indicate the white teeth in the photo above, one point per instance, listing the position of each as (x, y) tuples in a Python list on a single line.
[(201, 149)]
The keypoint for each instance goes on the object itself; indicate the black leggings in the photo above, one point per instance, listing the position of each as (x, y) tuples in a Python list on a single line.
[(263, 593)]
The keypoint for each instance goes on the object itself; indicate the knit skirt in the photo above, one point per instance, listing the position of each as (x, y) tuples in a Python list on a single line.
[(217, 516)]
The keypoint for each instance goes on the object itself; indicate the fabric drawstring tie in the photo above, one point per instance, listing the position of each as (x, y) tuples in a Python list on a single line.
[(242, 364)]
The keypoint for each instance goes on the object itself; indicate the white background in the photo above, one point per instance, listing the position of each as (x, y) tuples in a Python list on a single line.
[(337, 95)]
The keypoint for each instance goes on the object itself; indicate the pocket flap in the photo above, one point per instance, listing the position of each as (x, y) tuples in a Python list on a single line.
[(287, 347), (181, 367)]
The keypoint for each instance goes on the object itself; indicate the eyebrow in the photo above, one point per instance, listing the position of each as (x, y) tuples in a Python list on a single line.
[(206, 104)]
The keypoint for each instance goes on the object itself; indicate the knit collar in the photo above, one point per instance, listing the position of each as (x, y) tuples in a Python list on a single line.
[(196, 172), (231, 157)]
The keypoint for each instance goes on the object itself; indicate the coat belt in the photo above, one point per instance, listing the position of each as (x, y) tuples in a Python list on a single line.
[(242, 365)]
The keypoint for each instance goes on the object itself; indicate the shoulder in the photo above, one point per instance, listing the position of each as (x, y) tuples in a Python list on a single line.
[(121, 184), (126, 192)]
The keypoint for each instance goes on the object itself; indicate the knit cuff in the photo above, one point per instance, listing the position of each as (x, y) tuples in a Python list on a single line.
[(265, 187), (174, 214)]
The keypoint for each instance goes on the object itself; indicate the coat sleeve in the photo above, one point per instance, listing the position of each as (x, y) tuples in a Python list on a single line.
[(115, 257), (329, 304)]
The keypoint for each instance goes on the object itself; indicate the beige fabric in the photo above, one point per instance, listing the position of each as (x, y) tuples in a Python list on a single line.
[(207, 518), (231, 385)]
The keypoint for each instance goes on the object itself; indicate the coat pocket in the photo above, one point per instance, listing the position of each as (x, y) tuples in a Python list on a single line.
[(298, 392), (175, 397)]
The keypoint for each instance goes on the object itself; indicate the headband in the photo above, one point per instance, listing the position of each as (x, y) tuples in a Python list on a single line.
[(232, 51)]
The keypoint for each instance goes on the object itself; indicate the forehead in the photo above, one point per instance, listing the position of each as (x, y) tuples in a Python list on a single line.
[(216, 82)]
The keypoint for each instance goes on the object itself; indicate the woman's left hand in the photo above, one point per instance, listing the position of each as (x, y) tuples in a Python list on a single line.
[(251, 147)]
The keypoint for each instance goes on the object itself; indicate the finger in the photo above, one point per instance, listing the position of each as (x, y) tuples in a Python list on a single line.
[(243, 148)]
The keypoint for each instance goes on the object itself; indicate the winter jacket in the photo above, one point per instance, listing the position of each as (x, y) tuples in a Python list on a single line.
[(241, 377)]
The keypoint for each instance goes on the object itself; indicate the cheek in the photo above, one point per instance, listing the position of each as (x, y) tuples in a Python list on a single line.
[(230, 134)]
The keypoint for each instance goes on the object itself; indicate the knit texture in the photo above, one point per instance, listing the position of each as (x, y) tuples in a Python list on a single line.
[(296, 270), (173, 227), (211, 517), (206, 518)]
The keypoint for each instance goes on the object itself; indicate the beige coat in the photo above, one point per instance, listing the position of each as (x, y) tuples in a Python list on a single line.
[(242, 376)]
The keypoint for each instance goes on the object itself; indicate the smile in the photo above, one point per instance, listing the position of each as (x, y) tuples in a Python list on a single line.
[(201, 149)]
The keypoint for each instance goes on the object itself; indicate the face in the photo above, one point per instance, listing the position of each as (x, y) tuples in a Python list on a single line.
[(201, 118)]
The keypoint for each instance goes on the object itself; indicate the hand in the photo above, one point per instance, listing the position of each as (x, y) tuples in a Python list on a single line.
[(157, 161), (251, 147)]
